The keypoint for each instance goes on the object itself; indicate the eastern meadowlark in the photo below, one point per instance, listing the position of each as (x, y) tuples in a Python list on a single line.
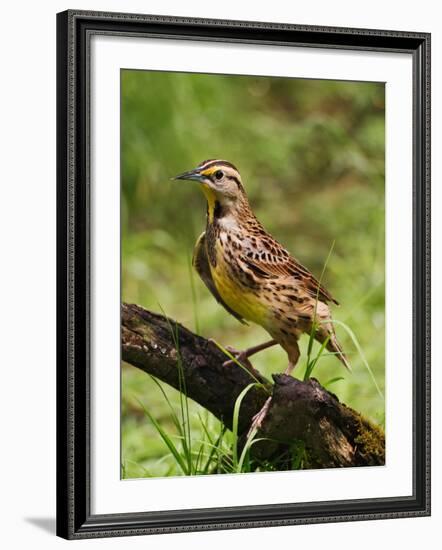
[(251, 274)]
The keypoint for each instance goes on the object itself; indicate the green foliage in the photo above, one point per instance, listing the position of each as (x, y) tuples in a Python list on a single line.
[(311, 155), (211, 454)]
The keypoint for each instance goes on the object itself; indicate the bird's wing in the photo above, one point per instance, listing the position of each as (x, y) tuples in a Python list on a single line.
[(201, 263), (270, 260)]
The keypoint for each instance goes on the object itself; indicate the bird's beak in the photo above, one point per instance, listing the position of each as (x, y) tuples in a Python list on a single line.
[(191, 175)]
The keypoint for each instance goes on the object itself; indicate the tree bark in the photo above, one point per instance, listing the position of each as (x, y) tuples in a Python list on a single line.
[(302, 415)]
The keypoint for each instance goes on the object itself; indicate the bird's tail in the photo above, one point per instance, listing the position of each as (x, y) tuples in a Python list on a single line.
[(327, 330), (335, 347)]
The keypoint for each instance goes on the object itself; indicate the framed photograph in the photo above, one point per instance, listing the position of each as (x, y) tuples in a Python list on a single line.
[(243, 274)]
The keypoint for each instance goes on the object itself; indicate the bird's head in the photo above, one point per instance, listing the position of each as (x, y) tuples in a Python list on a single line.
[(220, 182)]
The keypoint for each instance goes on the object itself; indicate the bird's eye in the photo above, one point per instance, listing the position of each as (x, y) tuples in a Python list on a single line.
[(219, 174)]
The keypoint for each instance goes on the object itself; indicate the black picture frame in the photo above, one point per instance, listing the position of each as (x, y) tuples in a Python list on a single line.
[(74, 518)]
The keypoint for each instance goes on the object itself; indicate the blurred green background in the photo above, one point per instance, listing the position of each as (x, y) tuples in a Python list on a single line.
[(311, 156)]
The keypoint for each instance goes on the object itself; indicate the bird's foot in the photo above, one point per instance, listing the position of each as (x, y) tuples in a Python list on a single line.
[(241, 357), (259, 417)]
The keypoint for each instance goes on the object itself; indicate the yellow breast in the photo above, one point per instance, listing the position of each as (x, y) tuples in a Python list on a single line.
[(237, 296)]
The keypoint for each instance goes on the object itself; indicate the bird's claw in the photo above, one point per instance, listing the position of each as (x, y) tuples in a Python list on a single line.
[(259, 417), (239, 357)]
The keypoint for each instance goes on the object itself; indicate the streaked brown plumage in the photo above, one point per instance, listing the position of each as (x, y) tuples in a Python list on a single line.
[(252, 275)]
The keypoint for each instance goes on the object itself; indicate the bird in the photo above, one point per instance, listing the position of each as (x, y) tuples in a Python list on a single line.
[(253, 276)]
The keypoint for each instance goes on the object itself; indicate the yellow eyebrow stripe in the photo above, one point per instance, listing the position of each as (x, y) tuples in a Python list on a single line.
[(209, 171)]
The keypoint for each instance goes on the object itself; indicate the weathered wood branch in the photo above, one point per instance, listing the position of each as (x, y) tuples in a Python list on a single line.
[(301, 413)]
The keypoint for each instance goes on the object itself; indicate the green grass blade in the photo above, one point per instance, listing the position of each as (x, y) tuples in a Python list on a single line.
[(217, 448), (298, 455), (167, 440), (361, 353), (194, 296), (245, 452), (333, 381), (312, 364), (205, 429), (185, 401), (184, 405), (199, 457), (235, 422), (140, 466), (235, 360), (311, 339), (169, 404)]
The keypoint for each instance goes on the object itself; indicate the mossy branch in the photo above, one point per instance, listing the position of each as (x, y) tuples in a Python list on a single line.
[(332, 434)]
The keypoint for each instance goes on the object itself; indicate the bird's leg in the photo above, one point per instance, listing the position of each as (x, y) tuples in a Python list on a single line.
[(293, 354), (258, 419), (243, 356), (290, 368)]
